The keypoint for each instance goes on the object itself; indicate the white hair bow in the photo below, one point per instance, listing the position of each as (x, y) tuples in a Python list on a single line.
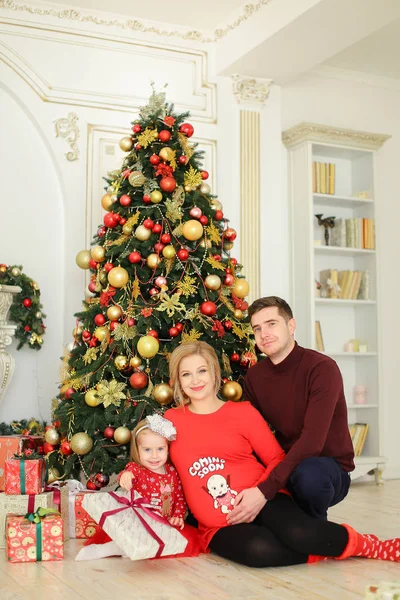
[(158, 424)]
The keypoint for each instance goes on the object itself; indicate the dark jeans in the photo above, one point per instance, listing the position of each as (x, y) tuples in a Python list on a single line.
[(318, 483)]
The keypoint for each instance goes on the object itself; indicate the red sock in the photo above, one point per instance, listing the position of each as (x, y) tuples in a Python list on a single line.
[(313, 558), (369, 546)]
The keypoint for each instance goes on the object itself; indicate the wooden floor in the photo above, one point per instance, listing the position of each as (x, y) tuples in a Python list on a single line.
[(369, 508)]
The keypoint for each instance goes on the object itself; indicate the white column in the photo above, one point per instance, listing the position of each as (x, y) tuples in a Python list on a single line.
[(7, 363)]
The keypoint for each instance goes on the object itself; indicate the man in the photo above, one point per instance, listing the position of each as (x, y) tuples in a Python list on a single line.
[(300, 394)]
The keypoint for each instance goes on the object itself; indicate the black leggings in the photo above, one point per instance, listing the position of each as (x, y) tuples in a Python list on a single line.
[(282, 534)]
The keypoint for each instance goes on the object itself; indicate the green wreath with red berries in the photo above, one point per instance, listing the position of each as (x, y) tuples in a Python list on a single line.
[(26, 309)]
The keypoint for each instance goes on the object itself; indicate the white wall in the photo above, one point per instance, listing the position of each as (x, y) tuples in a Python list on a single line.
[(365, 106)]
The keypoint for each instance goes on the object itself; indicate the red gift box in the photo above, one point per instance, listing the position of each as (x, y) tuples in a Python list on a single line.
[(31, 542), (14, 444), (85, 526), (25, 476)]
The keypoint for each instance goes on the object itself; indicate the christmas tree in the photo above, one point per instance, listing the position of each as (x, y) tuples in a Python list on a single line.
[(161, 274)]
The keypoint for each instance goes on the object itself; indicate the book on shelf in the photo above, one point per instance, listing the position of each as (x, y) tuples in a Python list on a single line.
[(323, 178), (358, 434), (354, 233), (328, 279), (351, 285), (319, 343)]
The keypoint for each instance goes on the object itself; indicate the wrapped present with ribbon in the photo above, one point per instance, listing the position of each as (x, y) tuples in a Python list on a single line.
[(35, 537), (25, 474), (20, 505), (80, 524), (60, 492), (134, 525), (15, 444)]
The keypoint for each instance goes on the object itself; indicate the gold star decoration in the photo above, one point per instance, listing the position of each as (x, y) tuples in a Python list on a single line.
[(35, 338), (213, 233), (186, 287), (192, 178), (173, 205), (124, 332), (242, 330), (90, 355), (111, 392), (192, 336), (186, 146), (215, 263), (170, 304), (147, 137)]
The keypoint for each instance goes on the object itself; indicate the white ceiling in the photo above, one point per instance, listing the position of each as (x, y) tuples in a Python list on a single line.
[(206, 15)]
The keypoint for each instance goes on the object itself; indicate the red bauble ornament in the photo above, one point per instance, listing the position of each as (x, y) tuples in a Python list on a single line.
[(47, 448), (164, 136), (235, 357), (218, 215), (65, 448), (27, 328), (99, 319), (154, 159), (131, 322), (146, 199), (138, 147), (167, 184), (182, 254), (208, 308), (101, 231), (234, 261), (91, 485), (122, 221), (158, 247), (109, 432), (227, 325), (92, 287), (125, 200), (138, 380), (195, 212), (86, 335), (157, 228), (165, 238), (187, 129), (204, 175), (179, 327), (110, 220), (92, 264), (228, 270), (224, 379), (148, 223), (68, 393), (173, 331), (230, 234), (27, 302), (108, 266), (101, 480), (229, 279), (153, 292), (134, 257), (126, 173), (136, 129), (203, 220), (153, 333), (113, 325), (182, 160), (217, 257)]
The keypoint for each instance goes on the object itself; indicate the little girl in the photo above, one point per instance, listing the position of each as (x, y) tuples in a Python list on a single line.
[(150, 473)]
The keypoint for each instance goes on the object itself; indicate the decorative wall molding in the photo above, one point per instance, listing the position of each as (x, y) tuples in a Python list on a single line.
[(69, 14), (250, 199), (311, 132), (67, 127), (250, 89)]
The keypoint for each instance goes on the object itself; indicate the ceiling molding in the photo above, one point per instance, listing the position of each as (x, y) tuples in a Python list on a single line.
[(136, 25), (311, 132), (330, 72)]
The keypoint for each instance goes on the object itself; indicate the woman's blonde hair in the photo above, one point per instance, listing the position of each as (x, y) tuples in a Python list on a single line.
[(189, 349)]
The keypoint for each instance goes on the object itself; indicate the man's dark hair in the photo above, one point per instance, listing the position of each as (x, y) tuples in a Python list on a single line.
[(283, 307)]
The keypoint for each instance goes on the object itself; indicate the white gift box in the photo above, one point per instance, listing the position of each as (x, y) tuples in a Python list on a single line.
[(134, 525)]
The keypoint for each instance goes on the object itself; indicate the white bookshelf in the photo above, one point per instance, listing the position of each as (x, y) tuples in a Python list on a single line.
[(341, 320)]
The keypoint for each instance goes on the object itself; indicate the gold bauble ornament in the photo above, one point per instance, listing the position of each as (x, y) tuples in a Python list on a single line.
[(142, 233), (188, 188), (148, 346), (53, 475), (126, 144), (205, 243), (15, 272), (98, 253), (240, 288), (118, 277), (135, 362), (136, 179), (77, 331), (238, 314), (228, 246), (232, 390), (192, 230), (153, 260), (205, 188), (106, 201), (83, 259), (169, 251), (166, 154), (91, 398), (163, 394), (114, 312), (38, 315), (216, 204), (127, 229), (81, 443), (212, 282), (122, 435), (121, 362), (156, 196), (102, 333), (52, 436)]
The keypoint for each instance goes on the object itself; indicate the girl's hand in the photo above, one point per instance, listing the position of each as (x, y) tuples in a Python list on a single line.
[(177, 522), (126, 480)]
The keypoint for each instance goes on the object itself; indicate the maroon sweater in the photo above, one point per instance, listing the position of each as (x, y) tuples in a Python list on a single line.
[(301, 398)]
